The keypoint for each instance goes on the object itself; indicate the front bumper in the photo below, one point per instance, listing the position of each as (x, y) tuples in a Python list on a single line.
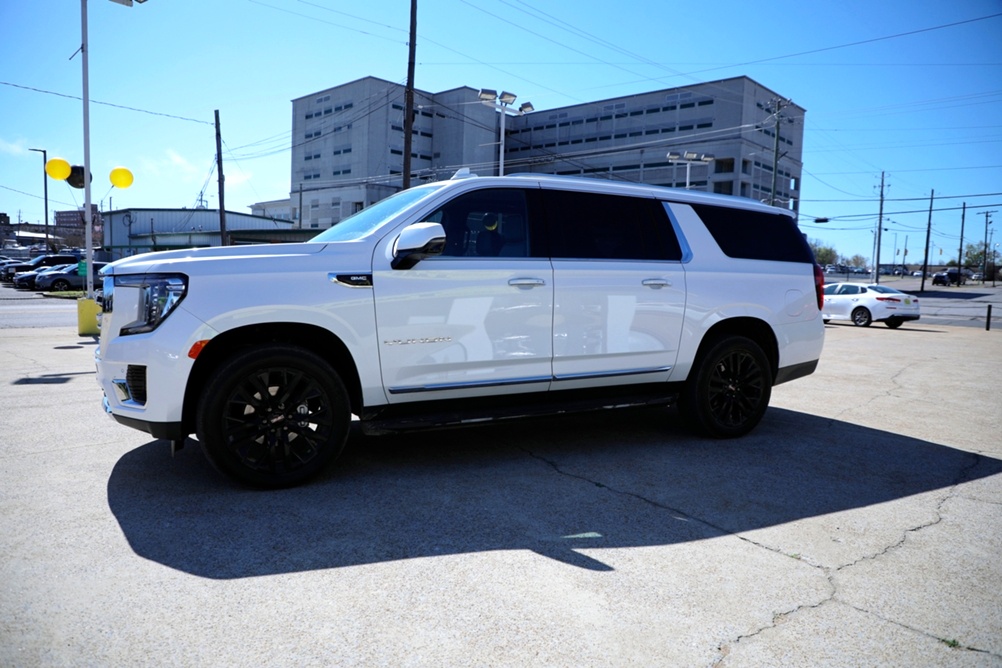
[(145, 376)]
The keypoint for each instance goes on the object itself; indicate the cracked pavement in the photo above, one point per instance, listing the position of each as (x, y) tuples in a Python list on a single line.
[(860, 524)]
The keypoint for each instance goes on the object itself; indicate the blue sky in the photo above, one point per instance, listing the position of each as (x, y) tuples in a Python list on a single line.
[(910, 88)]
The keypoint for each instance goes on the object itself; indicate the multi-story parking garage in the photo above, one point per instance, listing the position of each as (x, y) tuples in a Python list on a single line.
[(733, 136)]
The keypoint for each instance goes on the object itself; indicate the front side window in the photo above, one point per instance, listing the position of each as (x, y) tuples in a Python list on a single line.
[(493, 222), (366, 221)]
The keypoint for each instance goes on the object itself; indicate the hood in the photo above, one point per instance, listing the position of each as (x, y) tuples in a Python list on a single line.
[(177, 260)]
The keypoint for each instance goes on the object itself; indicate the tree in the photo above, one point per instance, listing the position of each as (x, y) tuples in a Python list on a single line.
[(823, 254), (856, 261), (974, 255)]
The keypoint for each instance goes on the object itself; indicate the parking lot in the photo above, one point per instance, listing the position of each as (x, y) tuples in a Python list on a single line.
[(860, 524)]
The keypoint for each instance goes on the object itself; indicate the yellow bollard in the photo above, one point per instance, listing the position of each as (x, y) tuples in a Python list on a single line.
[(87, 314)]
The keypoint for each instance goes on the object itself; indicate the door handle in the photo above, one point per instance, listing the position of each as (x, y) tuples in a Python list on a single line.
[(526, 283), (657, 283)]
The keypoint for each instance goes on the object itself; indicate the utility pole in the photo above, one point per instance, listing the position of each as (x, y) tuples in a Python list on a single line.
[(776, 107), (928, 235), (880, 226), (409, 98), (984, 271), (219, 167), (960, 252)]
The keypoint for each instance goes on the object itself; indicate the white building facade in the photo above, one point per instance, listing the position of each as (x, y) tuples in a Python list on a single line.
[(733, 136)]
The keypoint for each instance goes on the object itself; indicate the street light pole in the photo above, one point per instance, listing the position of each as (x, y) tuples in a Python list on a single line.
[(501, 103), (88, 216), (45, 183), (688, 158)]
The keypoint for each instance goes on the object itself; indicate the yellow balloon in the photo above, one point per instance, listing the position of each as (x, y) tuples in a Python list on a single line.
[(58, 169), (121, 177)]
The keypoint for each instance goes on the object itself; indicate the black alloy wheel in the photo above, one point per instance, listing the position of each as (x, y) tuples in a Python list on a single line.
[(273, 416), (730, 391)]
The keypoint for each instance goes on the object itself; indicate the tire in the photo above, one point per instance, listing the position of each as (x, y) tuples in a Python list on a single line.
[(60, 284), (273, 416), (861, 317), (894, 323), (826, 321), (729, 391)]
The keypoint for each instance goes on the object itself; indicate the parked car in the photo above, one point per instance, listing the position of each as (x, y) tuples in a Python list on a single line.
[(949, 277), (917, 273), (26, 280), (863, 304), (67, 278), (465, 300), (7, 276)]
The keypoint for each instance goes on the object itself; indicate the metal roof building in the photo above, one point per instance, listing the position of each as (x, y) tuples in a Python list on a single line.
[(133, 231)]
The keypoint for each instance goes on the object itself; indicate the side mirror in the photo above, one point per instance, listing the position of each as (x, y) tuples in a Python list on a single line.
[(417, 242)]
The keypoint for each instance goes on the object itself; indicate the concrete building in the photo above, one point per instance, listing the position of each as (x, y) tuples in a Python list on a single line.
[(348, 143)]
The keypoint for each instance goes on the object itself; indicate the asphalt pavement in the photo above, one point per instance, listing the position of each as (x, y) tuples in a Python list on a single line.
[(859, 525)]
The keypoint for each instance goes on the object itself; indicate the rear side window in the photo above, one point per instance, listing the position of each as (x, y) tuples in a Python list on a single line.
[(608, 227), (755, 235)]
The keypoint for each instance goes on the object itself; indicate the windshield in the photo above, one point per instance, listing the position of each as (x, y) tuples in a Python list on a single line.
[(883, 289), (367, 220)]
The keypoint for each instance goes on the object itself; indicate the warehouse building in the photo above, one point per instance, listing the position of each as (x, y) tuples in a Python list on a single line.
[(132, 231)]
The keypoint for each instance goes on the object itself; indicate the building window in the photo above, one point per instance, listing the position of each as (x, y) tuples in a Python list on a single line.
[(723, 187), (723, 166)]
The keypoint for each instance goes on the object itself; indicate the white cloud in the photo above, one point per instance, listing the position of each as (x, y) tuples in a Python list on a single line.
[(17, 147)]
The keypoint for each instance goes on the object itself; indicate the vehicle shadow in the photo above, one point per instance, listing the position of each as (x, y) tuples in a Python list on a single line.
[(949, 293), (555, 486), (880, 326)]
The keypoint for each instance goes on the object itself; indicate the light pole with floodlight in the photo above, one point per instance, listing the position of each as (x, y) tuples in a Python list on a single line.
[(502, 103), (689, 158)]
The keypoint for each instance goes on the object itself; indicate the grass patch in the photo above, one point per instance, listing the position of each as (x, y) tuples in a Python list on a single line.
[(66, 294)]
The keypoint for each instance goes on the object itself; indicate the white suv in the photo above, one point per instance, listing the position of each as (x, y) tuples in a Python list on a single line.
[(462, 301)]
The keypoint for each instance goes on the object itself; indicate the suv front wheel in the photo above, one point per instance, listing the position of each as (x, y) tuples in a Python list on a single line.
[(273, 416), (729, 390)]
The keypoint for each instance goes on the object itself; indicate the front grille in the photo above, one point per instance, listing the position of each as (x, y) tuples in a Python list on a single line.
[(135, 378)]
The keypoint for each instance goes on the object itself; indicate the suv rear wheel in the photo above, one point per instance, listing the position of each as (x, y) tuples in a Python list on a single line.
[(730, 389), (273, 416)]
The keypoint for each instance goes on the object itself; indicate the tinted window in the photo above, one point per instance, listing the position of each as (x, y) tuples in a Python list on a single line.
[(755, 235), (485, 223), (609, 227)]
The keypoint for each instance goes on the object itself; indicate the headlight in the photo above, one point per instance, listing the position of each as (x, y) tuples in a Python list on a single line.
[(159, 294)]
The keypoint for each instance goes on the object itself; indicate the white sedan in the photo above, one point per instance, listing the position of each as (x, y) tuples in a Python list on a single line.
[(863, 304)]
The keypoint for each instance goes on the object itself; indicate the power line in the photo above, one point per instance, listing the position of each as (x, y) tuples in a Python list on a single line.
[(107, 104)]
